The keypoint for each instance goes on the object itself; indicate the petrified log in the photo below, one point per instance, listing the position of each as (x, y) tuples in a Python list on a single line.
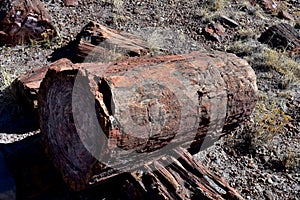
[(282, 36), (25, 88), (24, 21), (104, 118), (99, 43)]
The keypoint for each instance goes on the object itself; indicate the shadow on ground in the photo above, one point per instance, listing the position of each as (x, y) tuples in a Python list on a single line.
[(14, 117)]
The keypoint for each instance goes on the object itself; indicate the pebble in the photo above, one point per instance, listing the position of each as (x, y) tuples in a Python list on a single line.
[(268, 195)]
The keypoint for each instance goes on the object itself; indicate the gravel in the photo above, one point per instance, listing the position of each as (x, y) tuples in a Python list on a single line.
[(257, 169)]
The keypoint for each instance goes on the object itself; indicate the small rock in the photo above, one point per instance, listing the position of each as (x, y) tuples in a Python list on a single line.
[(285, 15), (265, 158), (270, 5), (268, 195), (259, 188), (215, 31), (71, 2), (230, 22), (270, 180), (276, 179)]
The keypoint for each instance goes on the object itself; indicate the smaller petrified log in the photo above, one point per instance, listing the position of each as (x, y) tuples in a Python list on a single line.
[(94, 43), (99, 43), (25, 88), (282, 36), (24, 21)]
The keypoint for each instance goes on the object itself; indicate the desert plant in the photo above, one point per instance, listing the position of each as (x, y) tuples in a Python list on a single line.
[(5, 77), (269, 119), (281, 62)]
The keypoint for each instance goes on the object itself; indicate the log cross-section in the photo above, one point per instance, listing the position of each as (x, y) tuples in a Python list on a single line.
[(99, 119)]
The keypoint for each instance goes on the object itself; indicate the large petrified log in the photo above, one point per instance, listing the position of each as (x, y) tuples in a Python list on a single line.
[(104, 118), (24, 21)]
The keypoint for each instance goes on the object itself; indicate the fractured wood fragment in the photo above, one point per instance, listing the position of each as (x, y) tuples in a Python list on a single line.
[(97, 42)]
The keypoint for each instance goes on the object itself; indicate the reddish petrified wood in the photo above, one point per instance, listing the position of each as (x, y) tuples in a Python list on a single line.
[(215, 31), (177, 177), (24, 21), (25, 87), (98, 119), (99, 43)]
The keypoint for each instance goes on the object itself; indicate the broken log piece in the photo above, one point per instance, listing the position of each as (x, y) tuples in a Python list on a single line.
[(103, 118), (180, 176), (25, 88), (282, 36), (24, 21), (99, 43)]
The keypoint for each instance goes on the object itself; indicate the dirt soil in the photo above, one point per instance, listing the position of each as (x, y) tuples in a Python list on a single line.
[(261, 158)]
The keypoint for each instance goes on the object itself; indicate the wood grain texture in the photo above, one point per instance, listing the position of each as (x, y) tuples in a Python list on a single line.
[(97, 42), (99, 119)]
